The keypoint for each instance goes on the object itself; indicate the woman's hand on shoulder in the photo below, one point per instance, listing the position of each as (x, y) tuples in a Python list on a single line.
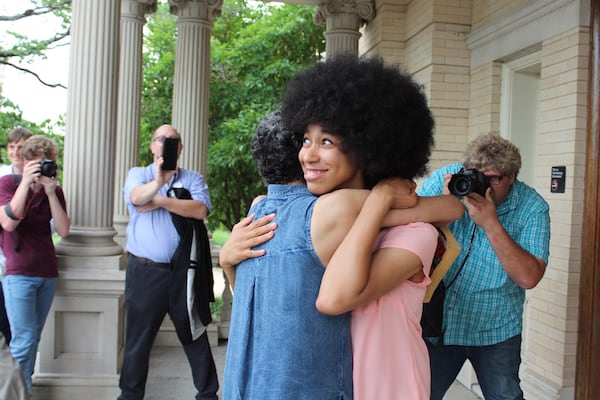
[(245, 235), (399, 192)]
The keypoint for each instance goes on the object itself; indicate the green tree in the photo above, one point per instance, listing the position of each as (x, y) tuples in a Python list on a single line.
[(255, 50), (11, 117)]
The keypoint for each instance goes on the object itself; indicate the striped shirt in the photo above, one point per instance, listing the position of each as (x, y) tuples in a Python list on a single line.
[(484, 305)]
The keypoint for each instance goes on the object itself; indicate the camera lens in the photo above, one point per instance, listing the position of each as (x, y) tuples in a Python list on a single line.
[(460, 186), (48, 168)]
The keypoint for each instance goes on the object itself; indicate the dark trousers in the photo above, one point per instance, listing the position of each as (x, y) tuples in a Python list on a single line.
[(146, 304), (4, 325), (496, 366)]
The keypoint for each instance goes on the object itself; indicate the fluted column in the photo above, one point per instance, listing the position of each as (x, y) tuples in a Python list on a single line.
[(129, 103), (89, 159), (342, 20), (192, 77), (81, 345)]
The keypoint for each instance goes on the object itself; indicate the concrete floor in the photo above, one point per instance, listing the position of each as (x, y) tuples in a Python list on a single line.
[(169, 377)]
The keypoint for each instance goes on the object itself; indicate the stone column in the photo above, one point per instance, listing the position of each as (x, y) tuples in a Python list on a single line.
[(343, 19), (82, 340), (192, 77), (129, 103)]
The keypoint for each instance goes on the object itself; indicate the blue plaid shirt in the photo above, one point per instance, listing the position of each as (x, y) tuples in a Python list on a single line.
[(484, 305)]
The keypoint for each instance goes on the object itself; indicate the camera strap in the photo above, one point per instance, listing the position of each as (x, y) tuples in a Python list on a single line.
[(464, 261)]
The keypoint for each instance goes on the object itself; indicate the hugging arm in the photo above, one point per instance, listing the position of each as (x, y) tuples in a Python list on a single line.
[(333, 216), (372, 274), (437, 210), (335, 213)]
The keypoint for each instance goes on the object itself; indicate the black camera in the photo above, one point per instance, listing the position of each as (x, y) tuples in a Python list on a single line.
[(467, 181), (48, 168)]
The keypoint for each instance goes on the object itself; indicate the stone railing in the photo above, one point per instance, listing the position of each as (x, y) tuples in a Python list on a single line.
[(222, 289)]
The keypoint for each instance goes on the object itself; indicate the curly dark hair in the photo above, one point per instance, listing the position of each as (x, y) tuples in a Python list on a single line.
[(275, 151), (380, 113)]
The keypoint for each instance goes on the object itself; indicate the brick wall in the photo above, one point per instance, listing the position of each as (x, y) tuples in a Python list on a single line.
[(561, 141), (487, 11)]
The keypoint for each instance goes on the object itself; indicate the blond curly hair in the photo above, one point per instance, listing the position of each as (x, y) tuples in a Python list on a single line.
[(490, 151), (39, 145)]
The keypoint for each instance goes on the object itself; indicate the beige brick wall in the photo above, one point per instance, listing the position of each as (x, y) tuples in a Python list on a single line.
[(385, 34), (484, 111), (552, 333), (437, 55), (487, 11), (419, 15)]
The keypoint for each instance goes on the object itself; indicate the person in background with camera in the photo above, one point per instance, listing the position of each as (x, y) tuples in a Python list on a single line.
[(152, 242), (504, 236), (14, 144), (27, 204)]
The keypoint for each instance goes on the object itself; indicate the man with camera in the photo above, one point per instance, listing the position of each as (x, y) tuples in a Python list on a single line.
[(154, 243), (28, 203), (504, 236)]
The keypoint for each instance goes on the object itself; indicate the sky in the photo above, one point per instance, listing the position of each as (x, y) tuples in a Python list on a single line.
[(38, 102)]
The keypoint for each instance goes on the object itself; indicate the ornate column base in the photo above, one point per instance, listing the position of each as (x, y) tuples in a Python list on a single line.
[(56, 387), (94, 242)]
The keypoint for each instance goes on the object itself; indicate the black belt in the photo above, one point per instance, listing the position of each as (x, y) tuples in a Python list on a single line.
[(148, 262)]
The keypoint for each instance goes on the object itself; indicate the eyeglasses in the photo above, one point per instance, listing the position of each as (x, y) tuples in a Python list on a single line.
[(494, 179), (161, 139)]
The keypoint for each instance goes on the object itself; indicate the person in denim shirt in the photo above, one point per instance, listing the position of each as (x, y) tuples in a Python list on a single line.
[(504, 237)]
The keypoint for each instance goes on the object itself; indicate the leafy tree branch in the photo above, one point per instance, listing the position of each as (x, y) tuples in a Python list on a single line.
[(36, 76), (23, 48)]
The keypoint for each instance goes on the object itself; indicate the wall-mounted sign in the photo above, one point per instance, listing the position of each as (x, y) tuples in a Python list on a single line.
[(557, 183)]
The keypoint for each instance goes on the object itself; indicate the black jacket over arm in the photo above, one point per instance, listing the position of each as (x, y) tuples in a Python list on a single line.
[(192, 232)]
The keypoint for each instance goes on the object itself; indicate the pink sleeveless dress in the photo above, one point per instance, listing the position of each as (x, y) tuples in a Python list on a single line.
[(390, 359)]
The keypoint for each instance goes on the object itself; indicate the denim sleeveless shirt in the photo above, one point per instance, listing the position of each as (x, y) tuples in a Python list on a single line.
[(280, 346)]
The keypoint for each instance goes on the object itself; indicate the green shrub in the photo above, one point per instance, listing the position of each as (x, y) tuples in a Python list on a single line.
[(220, 236), (215, 308)]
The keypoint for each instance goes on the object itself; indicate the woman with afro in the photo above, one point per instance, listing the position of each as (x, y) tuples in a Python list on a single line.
[(363, 123)]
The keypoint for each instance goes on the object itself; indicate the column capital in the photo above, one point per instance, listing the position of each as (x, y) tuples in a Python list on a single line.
[(348, 13), (205, 9), (137, 8), (148, 6)]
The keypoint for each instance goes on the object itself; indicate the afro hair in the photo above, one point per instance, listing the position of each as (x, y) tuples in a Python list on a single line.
[(379, 112)]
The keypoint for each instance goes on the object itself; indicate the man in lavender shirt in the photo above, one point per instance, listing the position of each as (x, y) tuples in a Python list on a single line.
[(152, 240)]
